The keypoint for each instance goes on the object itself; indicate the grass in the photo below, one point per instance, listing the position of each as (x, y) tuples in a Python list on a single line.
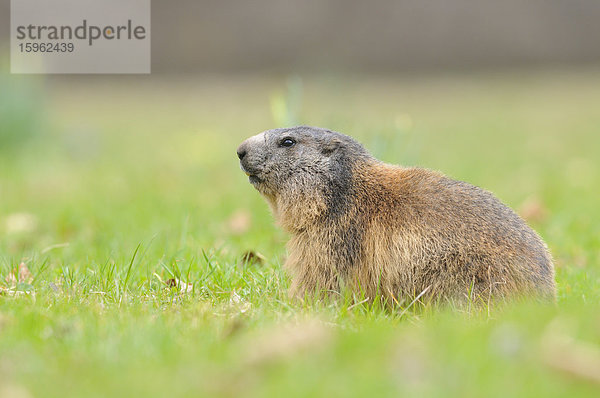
[(130, 213)]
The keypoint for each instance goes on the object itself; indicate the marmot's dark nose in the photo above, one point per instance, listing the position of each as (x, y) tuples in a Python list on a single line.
[(241, 152)]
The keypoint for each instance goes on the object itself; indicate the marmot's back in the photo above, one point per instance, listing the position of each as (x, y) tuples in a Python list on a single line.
[(385, 230), (452, 236)]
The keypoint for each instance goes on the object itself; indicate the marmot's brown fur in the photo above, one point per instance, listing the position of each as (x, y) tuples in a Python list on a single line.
[(386, 230)]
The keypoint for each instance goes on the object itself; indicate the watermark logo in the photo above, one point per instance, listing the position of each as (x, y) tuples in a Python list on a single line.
[(80, 36)]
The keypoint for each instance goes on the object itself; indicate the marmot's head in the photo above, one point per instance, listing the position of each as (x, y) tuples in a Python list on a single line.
[(301, 164)]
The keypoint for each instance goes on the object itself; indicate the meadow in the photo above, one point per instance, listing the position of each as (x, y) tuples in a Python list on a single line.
[(136, 260)]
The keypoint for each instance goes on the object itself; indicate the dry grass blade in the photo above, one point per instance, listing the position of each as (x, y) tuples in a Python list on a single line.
[(414, 301), (359, 303), (285, 341), (574, 358)]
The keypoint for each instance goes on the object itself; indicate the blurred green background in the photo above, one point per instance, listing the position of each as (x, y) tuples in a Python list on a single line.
[(125, 220)]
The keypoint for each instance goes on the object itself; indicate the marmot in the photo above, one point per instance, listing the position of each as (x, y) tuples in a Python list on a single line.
[(389, 231)]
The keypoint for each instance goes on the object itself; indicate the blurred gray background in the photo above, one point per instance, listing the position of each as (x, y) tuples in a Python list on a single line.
[(208, 36)]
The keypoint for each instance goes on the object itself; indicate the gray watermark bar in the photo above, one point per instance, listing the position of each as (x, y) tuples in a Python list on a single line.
[(80, 36)]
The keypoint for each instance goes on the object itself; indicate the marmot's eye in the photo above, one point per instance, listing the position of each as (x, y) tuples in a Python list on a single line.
[(287, 142)]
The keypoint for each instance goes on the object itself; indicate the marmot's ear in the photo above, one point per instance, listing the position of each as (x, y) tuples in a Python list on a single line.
[(330, 146)]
